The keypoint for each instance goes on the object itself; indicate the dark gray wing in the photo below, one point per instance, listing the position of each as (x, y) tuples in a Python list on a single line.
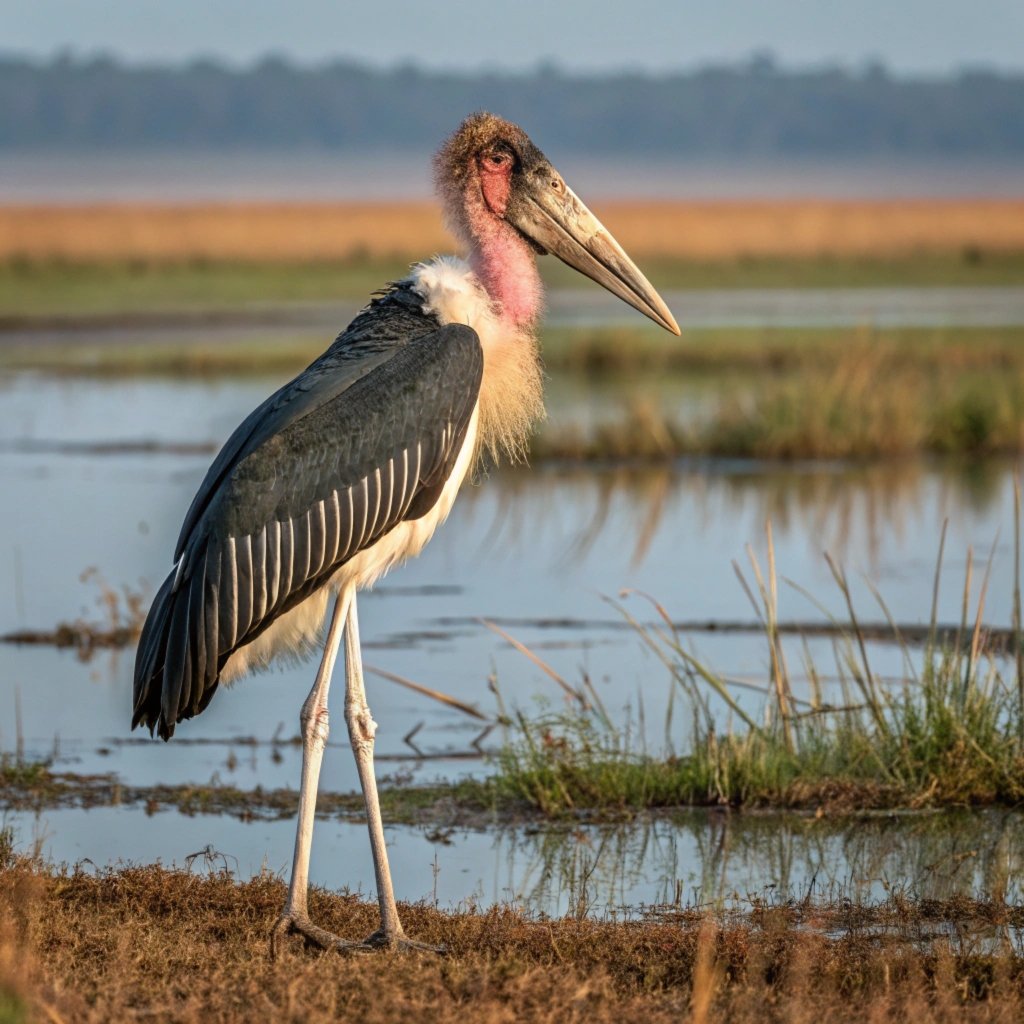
[(319, 472)]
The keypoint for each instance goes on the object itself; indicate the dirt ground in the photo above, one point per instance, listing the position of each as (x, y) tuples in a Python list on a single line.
[(149, 944)]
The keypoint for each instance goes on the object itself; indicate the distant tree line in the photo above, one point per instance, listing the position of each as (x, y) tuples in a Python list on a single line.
[(751, 108)]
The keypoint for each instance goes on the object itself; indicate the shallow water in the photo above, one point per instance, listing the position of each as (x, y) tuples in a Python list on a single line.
[(315, 175), (538, 549), (540, 546), (696, 857)]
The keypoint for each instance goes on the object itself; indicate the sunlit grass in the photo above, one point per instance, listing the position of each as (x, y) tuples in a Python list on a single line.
[(952, 733), (61, 287), (807, 229)]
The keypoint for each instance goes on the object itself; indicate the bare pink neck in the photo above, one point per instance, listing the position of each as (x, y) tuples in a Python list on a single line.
[(504, 262), (507, 268)]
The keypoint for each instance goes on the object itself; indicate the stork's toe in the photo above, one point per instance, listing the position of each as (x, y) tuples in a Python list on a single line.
[(320, 938), (314, 936), (401, 943)]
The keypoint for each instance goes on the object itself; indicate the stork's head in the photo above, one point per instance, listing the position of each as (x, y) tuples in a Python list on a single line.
[(499, 190)]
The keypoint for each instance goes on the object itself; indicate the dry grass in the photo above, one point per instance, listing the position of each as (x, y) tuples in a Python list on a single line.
[(145, 943), (705, 230)]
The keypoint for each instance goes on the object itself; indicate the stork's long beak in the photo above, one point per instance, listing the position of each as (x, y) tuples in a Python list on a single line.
[(549, 213)]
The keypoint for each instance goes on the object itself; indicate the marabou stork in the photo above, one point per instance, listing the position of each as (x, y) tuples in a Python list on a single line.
[(349, 468)]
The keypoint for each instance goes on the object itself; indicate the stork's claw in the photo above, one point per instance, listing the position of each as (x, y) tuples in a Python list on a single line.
[(321, 938)]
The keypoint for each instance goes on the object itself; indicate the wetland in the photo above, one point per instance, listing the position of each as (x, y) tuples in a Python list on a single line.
[(820, 758)]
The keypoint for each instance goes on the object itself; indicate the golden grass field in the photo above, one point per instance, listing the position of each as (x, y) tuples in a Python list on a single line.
[(689, 230)]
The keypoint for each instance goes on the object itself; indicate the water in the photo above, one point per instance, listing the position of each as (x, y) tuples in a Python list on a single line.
[(531, 548), (694, 858), (310, 176), (540, 550)]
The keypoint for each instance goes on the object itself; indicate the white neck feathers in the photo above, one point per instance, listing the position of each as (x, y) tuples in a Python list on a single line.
[(511, 393)]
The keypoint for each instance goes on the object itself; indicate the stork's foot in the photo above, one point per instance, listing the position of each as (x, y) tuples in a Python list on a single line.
[(321, 938), (400, 942), (314, 935)]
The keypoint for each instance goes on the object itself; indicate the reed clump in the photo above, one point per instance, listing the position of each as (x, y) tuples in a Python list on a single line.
[(950, 733), (853, 395)]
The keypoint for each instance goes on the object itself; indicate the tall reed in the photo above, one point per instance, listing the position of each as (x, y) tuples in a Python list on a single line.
[(951, 731)]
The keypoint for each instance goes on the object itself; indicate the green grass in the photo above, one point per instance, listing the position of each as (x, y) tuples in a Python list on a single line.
[(30, 289), (615, 352), (54, 289), (972, 266), (16, 773), (952, 734)]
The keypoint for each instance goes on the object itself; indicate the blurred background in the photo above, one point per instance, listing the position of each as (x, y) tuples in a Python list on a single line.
[(195, 198)]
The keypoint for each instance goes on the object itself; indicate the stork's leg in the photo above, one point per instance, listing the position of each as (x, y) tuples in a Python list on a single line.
[(314, 723), (314, 720), (361, 731)]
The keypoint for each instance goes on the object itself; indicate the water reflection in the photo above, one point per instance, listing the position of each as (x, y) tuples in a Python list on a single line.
[(536, 548), (695, 858), (847, 510), (700, 857)]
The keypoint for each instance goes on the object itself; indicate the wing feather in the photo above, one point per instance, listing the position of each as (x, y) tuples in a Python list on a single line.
[(301, 542), (244, 588), (211, 604), (273, 564), (259, 574), (229, 595), (287, 560), (332, 528), (318, 538)]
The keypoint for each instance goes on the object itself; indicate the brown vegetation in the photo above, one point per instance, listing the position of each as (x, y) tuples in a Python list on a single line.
[(692, 230), (146, 943)]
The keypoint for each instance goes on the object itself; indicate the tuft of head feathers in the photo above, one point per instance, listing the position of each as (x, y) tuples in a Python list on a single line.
[(455, 163)]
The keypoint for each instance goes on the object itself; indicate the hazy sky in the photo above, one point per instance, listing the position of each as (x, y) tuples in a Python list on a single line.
[(911, 36)]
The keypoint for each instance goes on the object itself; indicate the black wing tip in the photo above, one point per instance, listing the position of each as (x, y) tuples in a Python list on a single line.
[(155, 678), (157, 727)]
